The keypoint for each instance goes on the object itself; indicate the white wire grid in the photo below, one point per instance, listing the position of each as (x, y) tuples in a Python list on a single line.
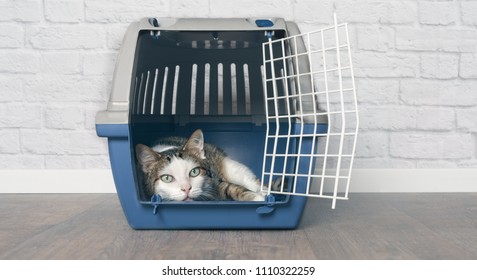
[(312, 114)]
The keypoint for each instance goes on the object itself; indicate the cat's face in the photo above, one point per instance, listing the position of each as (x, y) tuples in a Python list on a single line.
[(180, 179), (176, 174)]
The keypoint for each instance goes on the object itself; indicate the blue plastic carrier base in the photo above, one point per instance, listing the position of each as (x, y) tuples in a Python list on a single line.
[(242, 141)]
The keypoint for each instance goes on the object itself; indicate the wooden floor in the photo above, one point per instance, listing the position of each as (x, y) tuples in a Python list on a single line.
[(368, 226)]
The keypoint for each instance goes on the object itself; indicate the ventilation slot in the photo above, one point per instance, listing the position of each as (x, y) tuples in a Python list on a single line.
[(208, 89), (233, 89), (247, 89), (193, 89)]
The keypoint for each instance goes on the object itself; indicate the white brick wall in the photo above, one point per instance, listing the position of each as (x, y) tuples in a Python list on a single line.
[(416, 69)]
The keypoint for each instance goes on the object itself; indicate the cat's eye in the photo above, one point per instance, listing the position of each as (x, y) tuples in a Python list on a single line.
[(195, 172), (167, 178)]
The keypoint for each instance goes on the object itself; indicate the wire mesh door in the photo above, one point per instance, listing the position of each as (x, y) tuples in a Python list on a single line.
[(312, 114)]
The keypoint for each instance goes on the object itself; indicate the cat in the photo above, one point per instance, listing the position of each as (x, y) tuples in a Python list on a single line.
[(181, 169)]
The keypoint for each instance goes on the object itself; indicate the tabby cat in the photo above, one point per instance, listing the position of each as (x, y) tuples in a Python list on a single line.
[(180, 169)]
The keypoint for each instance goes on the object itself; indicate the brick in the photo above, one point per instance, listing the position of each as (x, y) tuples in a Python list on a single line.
[(20, 115), (54, 142), (11, 35), (467, 119), (99, 63), (439, 92), (432, 164), (96, 162), (63, 162), (114, 35), (61, 62), (62, 88), (435, 39), (439, 66), (87, 143), (251, 8), (310, 11), (388, 118), (43, 142), (22, 161), (399, 118), (66, 37), (437, 13), (400, 12), (431, 146), (64, 10), (375, 38), (381, 65), (372, 144), (25, 10), (19, 61), (468, 66), (383, 163), (92, 108), (64, 117), (468, 12), (124, 10), (9, 141), (471, 163), (190, 8), (394, 12), (352, 11), (11, 89), (377, 91), (433, 119)]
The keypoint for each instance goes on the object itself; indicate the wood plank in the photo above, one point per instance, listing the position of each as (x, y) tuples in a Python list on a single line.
[(102, 233), (240, 244), (368, 227), (450, 215), (345, 233), (23, 216), (208, 245), (81, 237)]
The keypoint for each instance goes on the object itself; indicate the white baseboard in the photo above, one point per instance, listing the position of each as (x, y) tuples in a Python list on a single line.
[(363, 180), (414, 180)]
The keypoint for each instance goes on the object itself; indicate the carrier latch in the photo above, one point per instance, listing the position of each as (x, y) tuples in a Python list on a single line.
[(269, 205), (155, 202)]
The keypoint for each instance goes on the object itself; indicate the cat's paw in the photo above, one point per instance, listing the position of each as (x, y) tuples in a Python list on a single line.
[(280, 184), (258, 197)]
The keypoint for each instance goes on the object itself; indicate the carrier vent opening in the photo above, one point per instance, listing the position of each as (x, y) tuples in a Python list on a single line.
[(199, 73), (161, 91)]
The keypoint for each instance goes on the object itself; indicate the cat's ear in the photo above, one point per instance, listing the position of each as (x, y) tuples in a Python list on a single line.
[(146, 157), (195, 144)]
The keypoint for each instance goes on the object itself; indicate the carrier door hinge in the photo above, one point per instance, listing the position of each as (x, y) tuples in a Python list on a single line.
[(268, 207), (155, 202), (155, 23), (269, 34)]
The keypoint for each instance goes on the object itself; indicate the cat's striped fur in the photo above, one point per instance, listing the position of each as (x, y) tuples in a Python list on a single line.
[(188, 169)]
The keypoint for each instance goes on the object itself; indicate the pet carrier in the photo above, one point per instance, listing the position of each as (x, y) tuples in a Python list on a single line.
[(280, 102)]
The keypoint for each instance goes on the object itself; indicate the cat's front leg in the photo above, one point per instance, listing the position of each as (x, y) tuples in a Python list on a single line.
[(239, 174), (231, 191)]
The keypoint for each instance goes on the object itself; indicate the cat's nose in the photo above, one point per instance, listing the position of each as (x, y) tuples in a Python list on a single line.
[(186, 188)]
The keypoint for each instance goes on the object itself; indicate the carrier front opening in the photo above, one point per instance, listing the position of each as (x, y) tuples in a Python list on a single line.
[(208, 80)]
